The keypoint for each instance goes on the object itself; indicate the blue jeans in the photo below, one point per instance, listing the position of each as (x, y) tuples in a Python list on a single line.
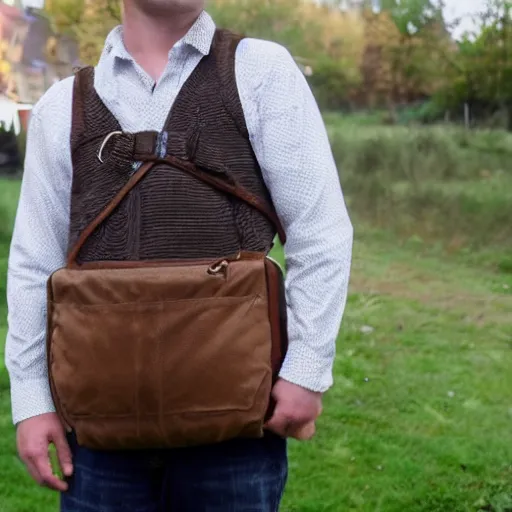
[(236, 476)]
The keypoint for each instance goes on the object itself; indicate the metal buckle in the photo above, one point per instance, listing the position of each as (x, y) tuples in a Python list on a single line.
[(222, 265), (104, 143), (217, 268)]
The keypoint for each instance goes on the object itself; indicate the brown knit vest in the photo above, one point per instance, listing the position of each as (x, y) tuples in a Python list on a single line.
[(170, 214)]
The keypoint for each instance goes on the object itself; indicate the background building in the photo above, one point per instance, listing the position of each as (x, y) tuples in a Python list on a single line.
[(32, 56)]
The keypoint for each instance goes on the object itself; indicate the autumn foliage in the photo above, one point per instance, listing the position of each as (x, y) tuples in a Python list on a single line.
[(358, 57)]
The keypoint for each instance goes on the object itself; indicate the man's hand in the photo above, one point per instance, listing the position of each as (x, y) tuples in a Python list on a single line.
[(34, 436), (295, 412)]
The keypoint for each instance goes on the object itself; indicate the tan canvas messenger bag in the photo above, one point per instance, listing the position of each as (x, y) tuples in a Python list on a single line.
[(162, 354)]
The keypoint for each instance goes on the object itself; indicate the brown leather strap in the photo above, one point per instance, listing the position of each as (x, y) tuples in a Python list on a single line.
[(145, 144), (88, 231), (232, 189), (151, 145)]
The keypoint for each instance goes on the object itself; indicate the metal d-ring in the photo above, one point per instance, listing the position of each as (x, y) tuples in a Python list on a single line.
[(220, 267), (104, 143)]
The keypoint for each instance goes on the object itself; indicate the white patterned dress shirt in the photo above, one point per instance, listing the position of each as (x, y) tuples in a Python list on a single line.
[(290, 142)]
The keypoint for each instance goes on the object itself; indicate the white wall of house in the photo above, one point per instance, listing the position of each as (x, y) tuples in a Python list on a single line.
[(9, 116)]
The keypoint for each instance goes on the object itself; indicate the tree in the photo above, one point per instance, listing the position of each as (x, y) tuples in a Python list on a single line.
[(329, 40), (88, 21), (480, 71), (358, 54), (412, 52), (283, 21), (411, 16), (495, 46)]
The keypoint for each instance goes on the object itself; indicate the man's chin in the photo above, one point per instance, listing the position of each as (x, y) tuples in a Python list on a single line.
[(166, 9)]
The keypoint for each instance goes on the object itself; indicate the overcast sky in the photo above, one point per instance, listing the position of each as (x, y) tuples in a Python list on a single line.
[(457, 8)]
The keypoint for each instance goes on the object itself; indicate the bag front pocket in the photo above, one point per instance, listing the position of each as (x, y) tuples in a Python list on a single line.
[(168, 373)]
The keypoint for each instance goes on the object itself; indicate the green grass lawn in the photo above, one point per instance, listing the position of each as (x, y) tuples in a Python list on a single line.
[(420, 417)]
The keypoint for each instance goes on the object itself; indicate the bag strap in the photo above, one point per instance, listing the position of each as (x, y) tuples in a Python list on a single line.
[(234, 189)]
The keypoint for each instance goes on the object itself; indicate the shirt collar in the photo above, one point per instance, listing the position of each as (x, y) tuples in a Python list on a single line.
[(199, 37)]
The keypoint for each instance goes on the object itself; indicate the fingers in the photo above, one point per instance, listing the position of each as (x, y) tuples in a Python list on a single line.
[(40, 468), (286, 426), (33, 472), (34, 436), (63, 453), (304, 432), (296, 410), (278, 424)]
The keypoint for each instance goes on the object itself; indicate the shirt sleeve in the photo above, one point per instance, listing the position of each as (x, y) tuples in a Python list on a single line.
[(291, 144), (38, 248)]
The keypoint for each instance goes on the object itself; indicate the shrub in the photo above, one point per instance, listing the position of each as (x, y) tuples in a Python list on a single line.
[(435, 182)]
